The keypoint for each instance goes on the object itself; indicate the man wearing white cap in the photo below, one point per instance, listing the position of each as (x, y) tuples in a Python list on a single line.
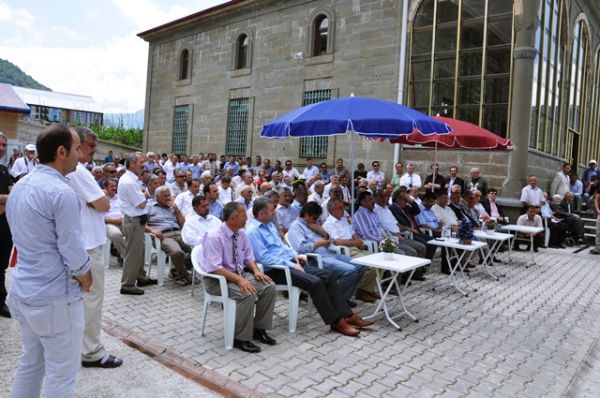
[(25, 164)]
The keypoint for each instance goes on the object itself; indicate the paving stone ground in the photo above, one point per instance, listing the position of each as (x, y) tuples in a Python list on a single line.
[(533, 333), (526, 335)]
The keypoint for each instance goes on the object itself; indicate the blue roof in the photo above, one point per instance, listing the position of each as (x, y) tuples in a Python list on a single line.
[(10, 101)]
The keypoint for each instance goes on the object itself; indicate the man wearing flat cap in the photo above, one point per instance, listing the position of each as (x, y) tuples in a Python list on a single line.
[(25, 164)]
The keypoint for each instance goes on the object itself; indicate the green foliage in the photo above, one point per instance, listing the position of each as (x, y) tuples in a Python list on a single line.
[(131, 137), (12, 74)]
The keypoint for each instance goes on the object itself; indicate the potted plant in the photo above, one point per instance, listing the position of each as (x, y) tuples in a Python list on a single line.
[(388, 246), (465, 233)]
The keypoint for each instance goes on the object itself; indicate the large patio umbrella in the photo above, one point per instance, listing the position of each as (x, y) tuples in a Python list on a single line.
[(464, 135), (367, 117)]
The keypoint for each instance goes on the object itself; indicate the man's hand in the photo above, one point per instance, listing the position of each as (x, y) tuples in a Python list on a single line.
[(245, 286), (261, 277), (158, 234), (321, 243), (85, 281)]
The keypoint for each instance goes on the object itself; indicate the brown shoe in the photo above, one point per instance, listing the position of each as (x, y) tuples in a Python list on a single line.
[(355, 320), (375, 295), (344, 328), (363, 295)]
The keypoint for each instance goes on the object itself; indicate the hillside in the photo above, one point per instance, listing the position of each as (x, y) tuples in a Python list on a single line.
[(12, 74)]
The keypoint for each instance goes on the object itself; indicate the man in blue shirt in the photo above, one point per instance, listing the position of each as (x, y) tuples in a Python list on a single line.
[(53, 269), (322, 285), (427, 218), (307, 236)]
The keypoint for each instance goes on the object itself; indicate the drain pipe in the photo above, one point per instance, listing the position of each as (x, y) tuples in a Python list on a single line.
[(401, 67)]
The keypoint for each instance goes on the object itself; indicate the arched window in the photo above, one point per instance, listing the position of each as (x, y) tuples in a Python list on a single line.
[(578, 92), (549, 72), (241, 61), (184, 64), (460, 59), (594, 125), (321, 35)]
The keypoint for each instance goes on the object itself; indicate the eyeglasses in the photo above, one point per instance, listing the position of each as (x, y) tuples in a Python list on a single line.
[(180, 177)]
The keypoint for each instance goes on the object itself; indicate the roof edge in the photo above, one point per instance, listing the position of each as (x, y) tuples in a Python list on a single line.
[(17, 110), (145, 35)]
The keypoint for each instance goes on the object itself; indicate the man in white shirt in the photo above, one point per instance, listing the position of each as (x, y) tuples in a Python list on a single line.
[(225, 191), (132, 202), (561, 183), (375, 175), (410, 179), (246, 182), (335, 181), (532, 219), (169, 168), (317, 195), (93, 202), (310, 170), (179, 186), (198, 222), (285, 213), (113, 218), (290, 171), (25, 164), (531, 194), (444, 213), (184, 200)]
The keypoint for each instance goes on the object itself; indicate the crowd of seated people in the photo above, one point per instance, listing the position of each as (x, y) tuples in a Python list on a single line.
[(245, 211)]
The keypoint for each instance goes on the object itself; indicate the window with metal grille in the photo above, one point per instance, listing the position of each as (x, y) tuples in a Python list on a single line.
[(237, 127), (314, 147), (180, 128)]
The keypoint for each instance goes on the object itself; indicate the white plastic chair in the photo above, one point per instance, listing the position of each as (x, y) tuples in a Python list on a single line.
[(293, 295), (229, 305), (152, 247), (370, 246)]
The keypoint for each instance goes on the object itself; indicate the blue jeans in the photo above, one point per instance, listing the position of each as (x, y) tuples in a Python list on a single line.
[(52, 338), (348, 274)]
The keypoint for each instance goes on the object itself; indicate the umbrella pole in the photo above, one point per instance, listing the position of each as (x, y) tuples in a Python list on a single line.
[(434, 162), (352, 175)]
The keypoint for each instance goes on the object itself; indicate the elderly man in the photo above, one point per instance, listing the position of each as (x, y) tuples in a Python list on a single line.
[(531, 194), (179, 186), (284, 212), (132, 202), (444, 214), (113, 218), (322, 285), (25, 164), (565, 210), (247, 182), (183, 201), (227, 252), (317, 195), (410, 179), (476, 182), (246, 197), (341, 233), (306, 236), (198, 223), (53, 269), (164, 222), (151, 162), (335, 182), (93, 202), (492, 208), (561, 184)]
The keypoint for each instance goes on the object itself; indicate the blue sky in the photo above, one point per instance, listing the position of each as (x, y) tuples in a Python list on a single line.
[(88, 47)]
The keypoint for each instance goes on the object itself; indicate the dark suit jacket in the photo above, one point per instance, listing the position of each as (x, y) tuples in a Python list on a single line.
[(400, 213), (461, 214), (486, 205), (457, 181), (565, 206)]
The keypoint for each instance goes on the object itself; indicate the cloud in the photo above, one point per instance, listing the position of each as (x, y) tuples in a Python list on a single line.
[(18, 16), (147, 14)]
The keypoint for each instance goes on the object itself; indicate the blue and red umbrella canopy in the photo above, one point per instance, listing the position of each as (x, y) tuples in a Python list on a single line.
[(368, 117)]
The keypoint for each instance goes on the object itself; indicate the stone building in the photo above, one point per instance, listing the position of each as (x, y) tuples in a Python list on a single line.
[(525, 69)]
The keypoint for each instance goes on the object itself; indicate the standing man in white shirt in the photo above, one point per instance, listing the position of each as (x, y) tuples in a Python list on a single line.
[(375, 175), (25, 164), (132, 201), (93, 202), (531, 194), (410, 179)]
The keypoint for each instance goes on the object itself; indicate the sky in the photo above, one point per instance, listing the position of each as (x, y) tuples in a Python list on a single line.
[(88, 47)]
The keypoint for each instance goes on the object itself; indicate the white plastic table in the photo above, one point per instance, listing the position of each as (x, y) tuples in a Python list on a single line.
[(496, 239), (396, 265), (523, 229), (456, 278)]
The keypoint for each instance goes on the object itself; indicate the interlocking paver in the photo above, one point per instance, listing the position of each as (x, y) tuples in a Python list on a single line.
[(532, 326)]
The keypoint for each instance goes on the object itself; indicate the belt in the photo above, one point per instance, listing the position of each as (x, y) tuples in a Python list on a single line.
[(170, 230), (126, 216)]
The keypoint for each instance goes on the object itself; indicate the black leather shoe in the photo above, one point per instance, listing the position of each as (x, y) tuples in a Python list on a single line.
[(246, 346), (134, 291), (147, 282), (106, 363), (419, 278), (351, 303), (4, 311), (262, 336)]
